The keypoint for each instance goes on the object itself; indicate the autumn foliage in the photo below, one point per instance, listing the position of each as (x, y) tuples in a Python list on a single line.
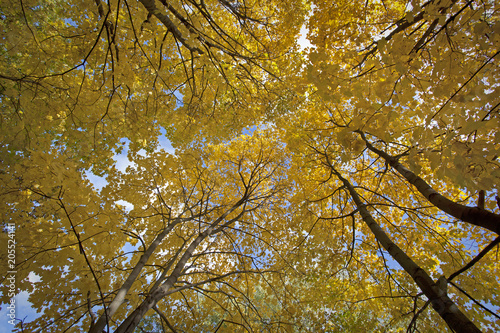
[(347, 186)]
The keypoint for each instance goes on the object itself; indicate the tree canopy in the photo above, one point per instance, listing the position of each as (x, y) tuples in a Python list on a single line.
[(348, 186)]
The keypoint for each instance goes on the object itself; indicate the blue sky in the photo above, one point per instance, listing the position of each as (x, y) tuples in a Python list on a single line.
[(23, 311)]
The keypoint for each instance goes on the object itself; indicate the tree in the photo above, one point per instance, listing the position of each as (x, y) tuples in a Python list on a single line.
[(80, 77), (420, 86), (324, 189)]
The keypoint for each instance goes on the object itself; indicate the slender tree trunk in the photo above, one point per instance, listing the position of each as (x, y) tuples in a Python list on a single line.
[(131, 322), (99, 326), (129, 325), (440, 301)]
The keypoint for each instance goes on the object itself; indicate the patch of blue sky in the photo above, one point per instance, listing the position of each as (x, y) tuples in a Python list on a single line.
[(122, 161), (127, 206), (179, 99), (250, 130), (97, 181), (164, 143), (71, 22), (23, 310), (303, 41)]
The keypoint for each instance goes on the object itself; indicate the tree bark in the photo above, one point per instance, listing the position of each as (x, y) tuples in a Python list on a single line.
[(101, 323), (473, 215), (438, 297), (131, 322)]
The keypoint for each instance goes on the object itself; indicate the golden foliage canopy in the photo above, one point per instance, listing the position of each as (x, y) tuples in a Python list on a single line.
[(347, 186)]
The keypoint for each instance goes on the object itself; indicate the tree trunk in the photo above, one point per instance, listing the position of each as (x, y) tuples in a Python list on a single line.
[(440, 301)]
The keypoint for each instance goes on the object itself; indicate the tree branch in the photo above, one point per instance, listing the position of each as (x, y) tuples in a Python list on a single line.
[(474, 215)]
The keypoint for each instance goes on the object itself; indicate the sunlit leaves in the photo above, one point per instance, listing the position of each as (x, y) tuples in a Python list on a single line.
[(246, 224)]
